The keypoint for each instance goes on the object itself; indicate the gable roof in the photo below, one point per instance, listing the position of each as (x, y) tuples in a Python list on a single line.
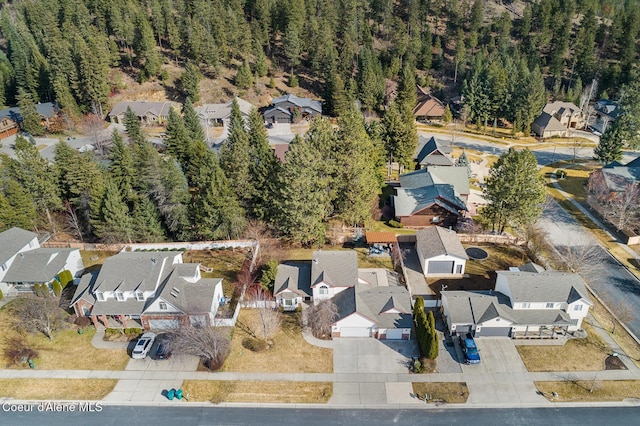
[(531, 267), (294, 277), (40, 265), (617, 177), (338, 268), (457, 177), (562, 108), (12, 240), (428, 105), (436, 241), (433, 151), (141, 108), (413, 200), (547, 122), (476, 307), (189, 297), (546, 286), (46, 109), (374, 303), (222, 111), (304, 103), (128, 271)]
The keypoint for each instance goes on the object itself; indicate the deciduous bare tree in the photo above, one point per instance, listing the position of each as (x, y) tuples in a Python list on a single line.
[(582, 259), (267, 323), (93, 125), (622, 210), (211, 344), (320, 317), (37, 314)]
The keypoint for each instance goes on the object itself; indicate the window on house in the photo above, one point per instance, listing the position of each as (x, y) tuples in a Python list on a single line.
[(119, 296), (550, 305), (288, 302), (100, 296), (525, 305), (4, 266), (139, 296), (577, 308), (163, 306), (324, 290)]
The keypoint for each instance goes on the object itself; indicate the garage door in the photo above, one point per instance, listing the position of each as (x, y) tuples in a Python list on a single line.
[(354, 332), (463, 329), (163, 324), (493, 331), (394, 334), (440, 267)]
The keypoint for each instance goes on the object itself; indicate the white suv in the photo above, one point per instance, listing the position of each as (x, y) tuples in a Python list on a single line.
[(141, 349)]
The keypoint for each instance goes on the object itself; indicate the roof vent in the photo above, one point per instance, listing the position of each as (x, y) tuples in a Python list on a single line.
[(153, 260), (315, 261), (175, 289), (173, 294)]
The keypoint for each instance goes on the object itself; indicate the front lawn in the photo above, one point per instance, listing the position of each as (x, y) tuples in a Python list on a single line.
[(290, 353), (68, 351), (576, 355), (590, 390), (56, 389), (450, 392), (256, 392)]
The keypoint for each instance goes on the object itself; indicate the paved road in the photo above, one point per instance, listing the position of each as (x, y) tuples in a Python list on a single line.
[(611, 281), (154, 416)]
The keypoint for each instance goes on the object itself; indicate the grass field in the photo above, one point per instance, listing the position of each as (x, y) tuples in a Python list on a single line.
[(68, 351), (450, 392), (590, 391), (257, 392), (225, 263), (290, 353), (56, 389), (576, 355)]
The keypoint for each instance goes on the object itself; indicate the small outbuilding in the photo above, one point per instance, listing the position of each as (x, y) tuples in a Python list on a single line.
[(440, 252)]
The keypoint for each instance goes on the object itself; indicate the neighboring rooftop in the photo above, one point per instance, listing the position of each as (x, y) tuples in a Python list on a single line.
[(294, 277), (546, 286), (304, 103), (387, 306), (47, 109), (412, 200), (222, 111), (338, 268), (140, 108), (39, 265), (12, 240), (436, 241), (433, 152)]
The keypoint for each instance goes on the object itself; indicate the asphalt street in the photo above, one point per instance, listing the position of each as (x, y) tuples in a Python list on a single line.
[(146, 415)]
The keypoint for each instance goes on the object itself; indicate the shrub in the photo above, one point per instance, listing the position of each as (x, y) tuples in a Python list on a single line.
[(18, 351), (395, 224), (560, 174), (82, 321), (1, 295), (57, 288), (132, 331), (254, 345), (112, 331)]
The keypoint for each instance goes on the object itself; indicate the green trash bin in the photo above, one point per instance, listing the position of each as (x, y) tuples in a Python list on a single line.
[(179, 394), (31, 364), (170, 394)]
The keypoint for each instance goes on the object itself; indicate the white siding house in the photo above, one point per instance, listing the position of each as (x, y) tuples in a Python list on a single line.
[(440, 252)]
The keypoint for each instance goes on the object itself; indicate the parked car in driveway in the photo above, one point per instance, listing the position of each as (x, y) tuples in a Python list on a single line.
[(162, 350), (470, 350), (141, 350)]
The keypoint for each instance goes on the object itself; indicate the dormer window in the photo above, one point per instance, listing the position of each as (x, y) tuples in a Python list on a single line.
[(119, 296), (525, 305), (139, 296), (323, 290), (100, 296), (163, 306), (550, 305)]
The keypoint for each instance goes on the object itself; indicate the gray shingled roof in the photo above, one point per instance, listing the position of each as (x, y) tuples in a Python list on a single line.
[(547, 286), (222, 111), (531, 267), (468, 307), (129, 271), (46, 109), (40, 265), (457, 176), (300, 102), (336, 268), (436, 241), (561, 107), (412, 200), (374, 302), (433, 151), (12, 240), (293, 277), (190, 298), (618, 177), (548, 122)]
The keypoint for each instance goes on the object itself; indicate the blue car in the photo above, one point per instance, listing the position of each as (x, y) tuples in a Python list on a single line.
[(470, 350)]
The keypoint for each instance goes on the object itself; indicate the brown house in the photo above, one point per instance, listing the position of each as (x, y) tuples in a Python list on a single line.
[(8, 127), (429, 107)]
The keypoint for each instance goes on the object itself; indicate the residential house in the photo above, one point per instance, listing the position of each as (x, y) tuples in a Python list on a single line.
[(606, 113), (527, 302), (155, 289), (11, 118), (42, 266), (149, 113), (428, 107), (557, 119), (433, 152), (435, 195), (219, 115), (12, 242), (292, 285), (370, 302), (292, 109), (440, 252)]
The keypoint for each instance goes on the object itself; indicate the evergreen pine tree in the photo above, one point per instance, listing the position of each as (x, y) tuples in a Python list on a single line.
[(114, 224), (263, 166), (16, 207), (30, 122), (610, 147), (190, 81), (234, 156), (192, 122)]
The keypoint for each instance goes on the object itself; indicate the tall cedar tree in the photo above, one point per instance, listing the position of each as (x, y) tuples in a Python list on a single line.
[(234, 156), (610, 147), (515, 190), (190, 82), (400, 136), (16, 207), (30, 122), (113, 223), (300, 207), (263, 166)]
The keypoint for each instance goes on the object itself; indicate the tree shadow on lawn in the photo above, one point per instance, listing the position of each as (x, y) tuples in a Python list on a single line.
[(473, 283)]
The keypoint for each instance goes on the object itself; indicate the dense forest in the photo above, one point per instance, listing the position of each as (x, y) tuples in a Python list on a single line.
[(506, 58)]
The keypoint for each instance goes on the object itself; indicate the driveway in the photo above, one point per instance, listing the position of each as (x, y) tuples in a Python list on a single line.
[(371, 356), (417, 284)]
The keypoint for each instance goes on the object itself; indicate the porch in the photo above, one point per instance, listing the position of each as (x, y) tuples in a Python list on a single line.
[(542, 332)]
